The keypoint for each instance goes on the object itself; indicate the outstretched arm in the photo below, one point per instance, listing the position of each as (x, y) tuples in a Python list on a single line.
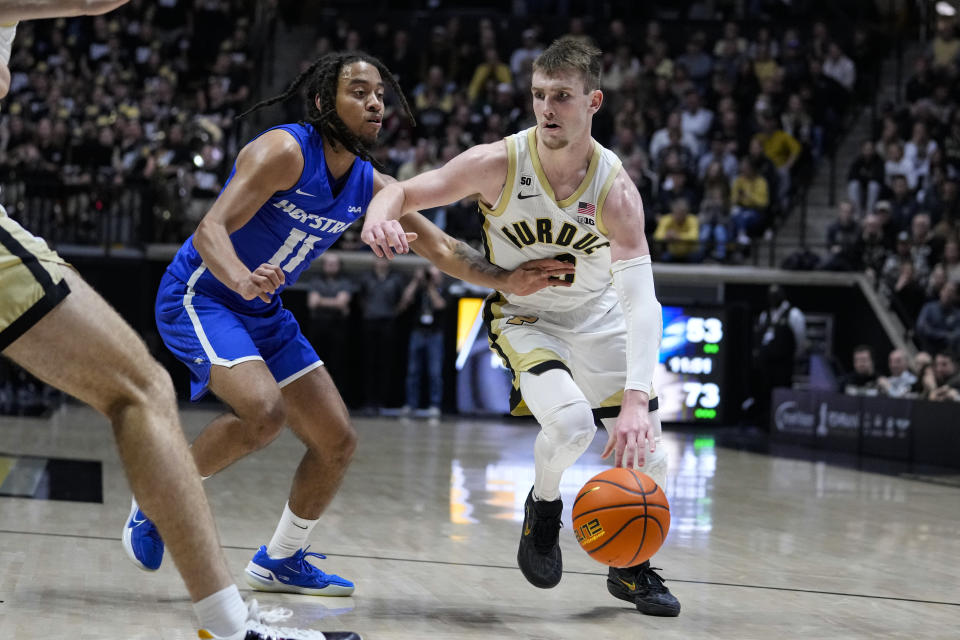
[(480, 171), (458, 259), (633, 280)]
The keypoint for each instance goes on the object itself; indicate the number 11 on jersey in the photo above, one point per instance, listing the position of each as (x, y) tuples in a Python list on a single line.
[(296, 237)]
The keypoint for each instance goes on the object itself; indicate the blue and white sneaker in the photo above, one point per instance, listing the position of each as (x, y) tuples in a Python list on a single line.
[(142, 541), (294, 575)]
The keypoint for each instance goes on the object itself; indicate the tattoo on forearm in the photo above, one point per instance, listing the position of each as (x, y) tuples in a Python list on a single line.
[(467, 254)]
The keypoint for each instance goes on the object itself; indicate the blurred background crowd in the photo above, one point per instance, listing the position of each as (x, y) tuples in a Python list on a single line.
[(119, 131), (717, 123)]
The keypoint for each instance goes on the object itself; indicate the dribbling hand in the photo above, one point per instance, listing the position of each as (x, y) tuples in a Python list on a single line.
[(387, 238), (262, 282), (626, 440)]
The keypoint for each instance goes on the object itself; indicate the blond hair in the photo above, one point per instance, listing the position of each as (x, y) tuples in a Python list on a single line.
[(572, 54)]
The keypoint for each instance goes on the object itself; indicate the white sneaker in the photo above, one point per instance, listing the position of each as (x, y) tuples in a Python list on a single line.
[(260, 626)]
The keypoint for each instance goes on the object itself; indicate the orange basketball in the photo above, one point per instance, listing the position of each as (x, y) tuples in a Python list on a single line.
[(621, 517)]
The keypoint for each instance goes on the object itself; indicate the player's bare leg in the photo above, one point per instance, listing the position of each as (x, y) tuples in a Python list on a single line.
[(84, 348), (318, 416), (312, 407), (256, 418), (316, 413)]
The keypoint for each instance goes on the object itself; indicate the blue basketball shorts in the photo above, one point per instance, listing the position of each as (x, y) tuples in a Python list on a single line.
[(201, 331)]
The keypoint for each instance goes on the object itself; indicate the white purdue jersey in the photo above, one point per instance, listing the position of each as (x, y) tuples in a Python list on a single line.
[(527, 223)]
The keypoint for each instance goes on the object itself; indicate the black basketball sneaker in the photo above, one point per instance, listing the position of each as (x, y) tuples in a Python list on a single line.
[(539, 553), (642, 586)]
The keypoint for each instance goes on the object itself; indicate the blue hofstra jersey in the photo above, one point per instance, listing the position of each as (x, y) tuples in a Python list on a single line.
[(292, 227)]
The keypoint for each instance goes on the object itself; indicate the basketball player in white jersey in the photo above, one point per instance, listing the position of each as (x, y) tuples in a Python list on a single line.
[(581, 353)]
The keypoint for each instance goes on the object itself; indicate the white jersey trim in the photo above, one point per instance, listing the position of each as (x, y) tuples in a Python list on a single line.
[(602, 197), (545, 183), (198, 326), (501, 204)]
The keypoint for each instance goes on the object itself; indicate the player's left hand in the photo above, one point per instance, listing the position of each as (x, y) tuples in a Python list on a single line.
[(387, 238), (533, 275), (630, 437)]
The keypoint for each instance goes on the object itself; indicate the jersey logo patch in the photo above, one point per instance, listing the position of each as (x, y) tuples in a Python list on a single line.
[(586, 213), (304, 193), (526, 181)]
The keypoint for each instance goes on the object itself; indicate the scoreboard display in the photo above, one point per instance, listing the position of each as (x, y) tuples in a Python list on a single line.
[(689, 378)]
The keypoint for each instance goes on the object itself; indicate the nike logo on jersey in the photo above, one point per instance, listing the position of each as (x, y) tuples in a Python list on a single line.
[(304, 193), (524, 196)]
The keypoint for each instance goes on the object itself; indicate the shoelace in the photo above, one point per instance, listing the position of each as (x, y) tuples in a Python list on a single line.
[(300, 557), (284, 633), (650, 576), (263, 621)]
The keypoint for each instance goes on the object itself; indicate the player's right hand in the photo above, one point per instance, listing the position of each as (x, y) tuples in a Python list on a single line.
[(387, 238), (630, 435), (262, 282), (533, 275)]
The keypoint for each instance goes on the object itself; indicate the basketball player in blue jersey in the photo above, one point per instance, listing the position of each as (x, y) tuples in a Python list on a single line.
[(293, 191), (53, 324), (582, 354)]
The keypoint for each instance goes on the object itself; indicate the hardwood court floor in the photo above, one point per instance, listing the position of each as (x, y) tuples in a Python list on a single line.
[(427, 524)]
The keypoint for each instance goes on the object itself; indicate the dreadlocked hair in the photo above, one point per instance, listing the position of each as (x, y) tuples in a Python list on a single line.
[(321, 79)]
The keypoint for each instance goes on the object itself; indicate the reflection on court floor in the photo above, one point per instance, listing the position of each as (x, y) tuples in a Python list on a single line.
[(427, 523), (503, 487)]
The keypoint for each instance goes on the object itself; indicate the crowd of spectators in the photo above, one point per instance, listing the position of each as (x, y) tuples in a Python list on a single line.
[(901, 221), (935, 378), (120, 129), (117, 127), (715, 124)]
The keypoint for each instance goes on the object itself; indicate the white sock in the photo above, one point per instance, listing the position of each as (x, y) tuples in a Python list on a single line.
[(223, 613), (291, 534)]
